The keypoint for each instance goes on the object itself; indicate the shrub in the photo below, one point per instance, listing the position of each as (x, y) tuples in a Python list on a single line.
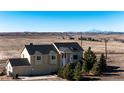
[(85, 67), (96, 70), (60, 72), (77, 72), (68, 72)]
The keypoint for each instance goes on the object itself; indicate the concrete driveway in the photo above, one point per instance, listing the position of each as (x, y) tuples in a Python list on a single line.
[(45, 77)]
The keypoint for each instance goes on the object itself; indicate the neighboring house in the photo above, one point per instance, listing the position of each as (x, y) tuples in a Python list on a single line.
[(44, 59)]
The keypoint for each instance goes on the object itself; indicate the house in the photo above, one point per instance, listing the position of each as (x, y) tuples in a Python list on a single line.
[(44, 59)]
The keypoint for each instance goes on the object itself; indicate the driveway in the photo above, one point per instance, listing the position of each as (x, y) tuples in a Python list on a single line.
[(45, 77)]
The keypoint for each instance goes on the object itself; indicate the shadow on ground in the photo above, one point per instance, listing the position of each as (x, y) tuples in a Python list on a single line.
[(112, 71), (90, 79)]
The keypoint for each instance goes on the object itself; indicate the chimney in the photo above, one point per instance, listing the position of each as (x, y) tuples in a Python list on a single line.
[(31, 44)]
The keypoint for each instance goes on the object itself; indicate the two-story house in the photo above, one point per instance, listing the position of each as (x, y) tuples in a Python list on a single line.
[(44, 58)]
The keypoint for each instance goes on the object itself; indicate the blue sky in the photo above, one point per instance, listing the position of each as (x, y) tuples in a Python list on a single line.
[(61, 21)]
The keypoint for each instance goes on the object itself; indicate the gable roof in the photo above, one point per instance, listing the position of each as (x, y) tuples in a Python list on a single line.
[(19, 62), (44, 49), (73, 46)]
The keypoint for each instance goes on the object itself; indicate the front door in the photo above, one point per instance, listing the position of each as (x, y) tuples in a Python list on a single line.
[(63, 59)]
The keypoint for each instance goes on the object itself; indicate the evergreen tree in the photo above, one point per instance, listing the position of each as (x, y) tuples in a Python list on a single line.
[(90, 58), (77, 72), (96, 70), (99, 66), (68, 72), (102, 61), (85, 67), (60, 72)]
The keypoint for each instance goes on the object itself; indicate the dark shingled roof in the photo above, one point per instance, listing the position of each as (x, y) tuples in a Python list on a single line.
[(73, 46), (44, 49), (19, 62)]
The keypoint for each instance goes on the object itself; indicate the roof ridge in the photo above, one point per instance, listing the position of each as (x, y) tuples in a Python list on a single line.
[(39, 44), (66, 42)]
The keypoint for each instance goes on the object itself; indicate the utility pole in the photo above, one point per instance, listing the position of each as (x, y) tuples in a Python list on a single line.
[(81, 39), (106, 48)]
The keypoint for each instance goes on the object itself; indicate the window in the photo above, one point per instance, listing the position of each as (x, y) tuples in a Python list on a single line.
[(38, 57), (38, 60), (53, 57), (75, 57)]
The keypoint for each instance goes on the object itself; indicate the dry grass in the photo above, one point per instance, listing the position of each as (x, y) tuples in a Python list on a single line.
[(12, 46)]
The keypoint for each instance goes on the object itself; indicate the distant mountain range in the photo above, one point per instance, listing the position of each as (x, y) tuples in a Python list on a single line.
[(103, 32), (94, 31)]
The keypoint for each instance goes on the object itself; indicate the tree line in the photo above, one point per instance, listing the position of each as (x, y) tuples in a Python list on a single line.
[(89, 39)]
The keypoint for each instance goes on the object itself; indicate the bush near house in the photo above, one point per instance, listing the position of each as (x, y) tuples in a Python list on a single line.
[(60, 72), (77, 72), (68, 72), (71, 71), (96, 70), (85, 69)]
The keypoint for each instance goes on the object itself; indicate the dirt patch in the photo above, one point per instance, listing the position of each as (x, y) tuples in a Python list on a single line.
[(5, 78)]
